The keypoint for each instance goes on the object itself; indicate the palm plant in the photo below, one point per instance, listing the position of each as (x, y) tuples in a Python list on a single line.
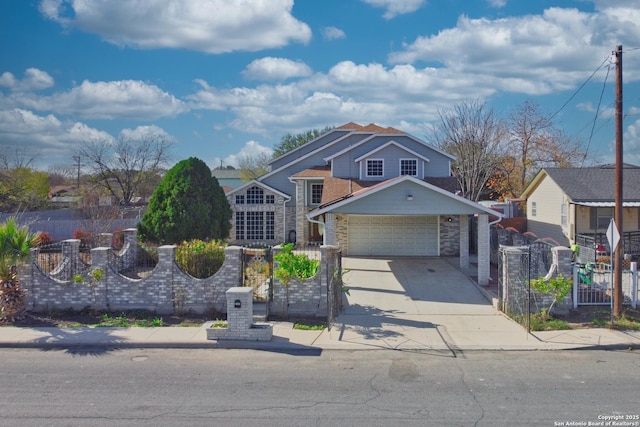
[(15, 246)]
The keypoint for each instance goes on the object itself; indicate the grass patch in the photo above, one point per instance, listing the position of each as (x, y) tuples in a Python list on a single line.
[(121, 321), (156, 322), (543, 321), (219, 324), (309, 326), (629, 319), (551, 324)]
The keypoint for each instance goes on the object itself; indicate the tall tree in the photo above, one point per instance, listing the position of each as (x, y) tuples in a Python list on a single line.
[(253, 166), (471, 132), (289, 141), (21, 187), (121, 166), (534, 143), (188, 204)]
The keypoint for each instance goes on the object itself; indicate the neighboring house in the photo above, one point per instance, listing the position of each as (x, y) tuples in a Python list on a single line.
[(63, 195), (565, 202), (227, 178), (373, 191)]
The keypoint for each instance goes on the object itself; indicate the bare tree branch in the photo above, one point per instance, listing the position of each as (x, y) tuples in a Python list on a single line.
[(121, 166), (471, 132)]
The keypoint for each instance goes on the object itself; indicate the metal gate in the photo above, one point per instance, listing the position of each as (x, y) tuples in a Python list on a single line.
[(334, 291), (257, 273)]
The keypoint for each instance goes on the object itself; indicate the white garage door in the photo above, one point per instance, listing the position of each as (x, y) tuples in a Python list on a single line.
[(393, 235)]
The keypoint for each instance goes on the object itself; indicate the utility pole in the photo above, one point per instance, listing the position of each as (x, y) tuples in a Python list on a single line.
[(78, 165), (617, 283)]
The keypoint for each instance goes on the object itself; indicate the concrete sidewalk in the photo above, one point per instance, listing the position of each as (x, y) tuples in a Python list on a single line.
[(340, 337)]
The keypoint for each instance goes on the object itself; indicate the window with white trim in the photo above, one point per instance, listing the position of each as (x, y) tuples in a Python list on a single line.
[(563, 215), (534, 208), (375, 167), (409, 167), (316, 194)]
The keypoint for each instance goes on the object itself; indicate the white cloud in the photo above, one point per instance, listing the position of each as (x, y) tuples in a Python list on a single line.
[(365, 92), (250, 148), (34, 79), (497, 3), (586, 106), (146, 132), (632, 143), (396, 7), (53, 141), (214, 26), (131, 99), (534, 54), (333, 33), (270, 68)]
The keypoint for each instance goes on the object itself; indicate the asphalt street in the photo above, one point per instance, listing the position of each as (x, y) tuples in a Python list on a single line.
[(334, 388)]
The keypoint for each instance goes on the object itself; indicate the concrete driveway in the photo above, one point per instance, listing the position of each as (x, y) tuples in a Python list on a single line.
[(420, 303)]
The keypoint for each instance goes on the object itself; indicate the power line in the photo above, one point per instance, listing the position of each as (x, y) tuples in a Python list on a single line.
[(607, 59), (595, 118)]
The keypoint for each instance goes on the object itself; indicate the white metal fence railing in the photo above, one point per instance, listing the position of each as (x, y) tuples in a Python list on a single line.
[(593, 285)]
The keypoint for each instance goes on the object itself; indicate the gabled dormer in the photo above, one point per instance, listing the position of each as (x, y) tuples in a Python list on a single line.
[(390, 160)]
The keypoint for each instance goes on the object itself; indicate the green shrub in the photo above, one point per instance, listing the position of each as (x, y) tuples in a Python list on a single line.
[(188, 204), (291, 265), (558, 287), (200, 259)]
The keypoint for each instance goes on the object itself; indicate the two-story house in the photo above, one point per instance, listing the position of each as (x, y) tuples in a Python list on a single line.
[(373, 191)]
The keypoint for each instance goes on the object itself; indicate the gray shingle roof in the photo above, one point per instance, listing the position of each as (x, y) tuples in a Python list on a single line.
[(596, 184)]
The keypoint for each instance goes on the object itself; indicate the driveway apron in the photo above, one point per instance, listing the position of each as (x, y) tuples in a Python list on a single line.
[(418, 303)]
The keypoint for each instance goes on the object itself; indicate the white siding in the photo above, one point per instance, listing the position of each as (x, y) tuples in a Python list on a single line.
[(548, 197)]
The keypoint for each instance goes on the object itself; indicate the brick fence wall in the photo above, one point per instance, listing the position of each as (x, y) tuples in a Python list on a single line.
[(168, 289), (307, 298)]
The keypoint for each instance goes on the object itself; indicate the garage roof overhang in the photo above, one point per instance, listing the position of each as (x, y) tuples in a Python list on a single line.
[(405, 195), (608, 204)]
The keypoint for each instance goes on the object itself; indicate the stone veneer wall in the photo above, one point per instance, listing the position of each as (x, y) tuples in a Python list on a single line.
[(450, 235), (342, 232)]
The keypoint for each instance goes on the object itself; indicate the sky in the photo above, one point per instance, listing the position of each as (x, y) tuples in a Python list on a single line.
[(223, 79)]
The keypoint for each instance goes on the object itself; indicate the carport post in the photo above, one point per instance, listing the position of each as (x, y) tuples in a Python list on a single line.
[(463, 223), (484, 249)]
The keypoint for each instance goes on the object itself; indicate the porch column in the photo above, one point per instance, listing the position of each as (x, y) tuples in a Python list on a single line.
[(464, 241), (301, 220), (484, 249), (329, 237)]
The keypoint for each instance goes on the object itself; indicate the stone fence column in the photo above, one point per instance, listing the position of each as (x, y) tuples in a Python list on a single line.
[(164, 271), (328, 269), (511, 267), (562, 257)]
